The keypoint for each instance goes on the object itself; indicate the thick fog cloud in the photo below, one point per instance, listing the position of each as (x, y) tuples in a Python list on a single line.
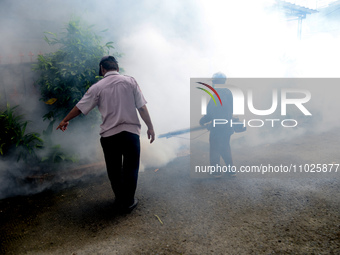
[(165, 43)]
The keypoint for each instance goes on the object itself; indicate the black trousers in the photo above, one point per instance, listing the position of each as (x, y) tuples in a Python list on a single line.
[(122, 154)]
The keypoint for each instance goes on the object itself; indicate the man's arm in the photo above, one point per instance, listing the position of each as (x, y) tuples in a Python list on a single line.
[(72, 114), (144, 113)]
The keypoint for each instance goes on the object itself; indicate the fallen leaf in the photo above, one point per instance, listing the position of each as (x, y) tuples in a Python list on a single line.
[(51, 101)]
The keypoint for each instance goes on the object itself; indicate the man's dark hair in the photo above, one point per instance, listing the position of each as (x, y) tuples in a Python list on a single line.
[(109, 63)]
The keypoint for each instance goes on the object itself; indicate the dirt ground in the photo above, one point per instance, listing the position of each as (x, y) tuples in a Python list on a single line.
[(177, 214)]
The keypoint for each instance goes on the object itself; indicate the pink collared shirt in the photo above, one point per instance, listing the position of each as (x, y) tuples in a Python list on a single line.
[(117, 97)]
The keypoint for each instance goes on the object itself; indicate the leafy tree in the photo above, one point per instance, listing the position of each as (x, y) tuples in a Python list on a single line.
[(67, 73)]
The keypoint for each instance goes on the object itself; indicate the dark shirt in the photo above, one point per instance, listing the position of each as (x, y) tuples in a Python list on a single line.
[(220, 112)]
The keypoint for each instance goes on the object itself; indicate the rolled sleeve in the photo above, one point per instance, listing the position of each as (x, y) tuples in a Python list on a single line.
[(88, 102)]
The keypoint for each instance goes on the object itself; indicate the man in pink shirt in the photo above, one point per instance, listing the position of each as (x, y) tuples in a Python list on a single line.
[(117, 98)]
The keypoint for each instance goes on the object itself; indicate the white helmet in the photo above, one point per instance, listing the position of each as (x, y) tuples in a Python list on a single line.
[(219, 78)]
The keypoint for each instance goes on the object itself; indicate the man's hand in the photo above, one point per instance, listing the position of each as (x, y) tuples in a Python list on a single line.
[(62, 125), (144, 113), (151, 134), (72, 114), (203, 120)]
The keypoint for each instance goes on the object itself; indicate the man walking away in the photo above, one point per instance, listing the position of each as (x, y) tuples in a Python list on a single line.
[(117, 98)]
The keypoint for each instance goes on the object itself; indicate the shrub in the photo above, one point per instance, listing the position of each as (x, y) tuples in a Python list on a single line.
[(67, 73), (13, 136)]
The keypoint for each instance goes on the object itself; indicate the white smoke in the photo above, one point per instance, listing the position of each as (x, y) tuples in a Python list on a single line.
[(165, 43)]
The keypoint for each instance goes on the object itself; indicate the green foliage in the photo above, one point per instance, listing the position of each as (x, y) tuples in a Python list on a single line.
[(67, 73), (14, 141), (13, 136), (54, 153)]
